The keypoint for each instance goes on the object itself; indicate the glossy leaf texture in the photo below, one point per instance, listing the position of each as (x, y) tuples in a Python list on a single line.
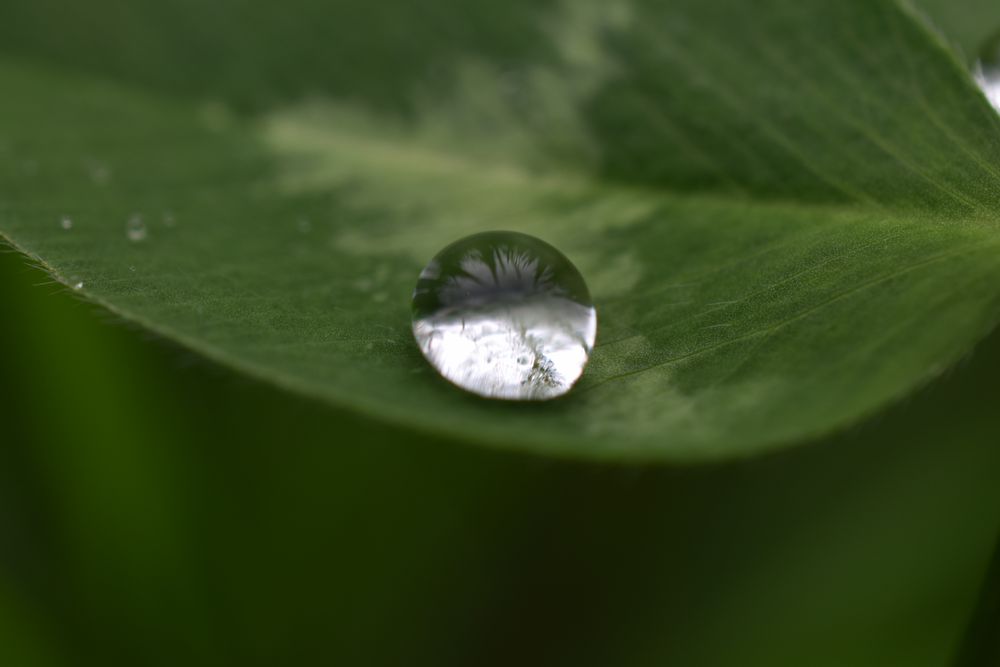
[(788, 214)]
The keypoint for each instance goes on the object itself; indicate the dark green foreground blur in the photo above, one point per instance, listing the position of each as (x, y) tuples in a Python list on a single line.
[(154, 509)]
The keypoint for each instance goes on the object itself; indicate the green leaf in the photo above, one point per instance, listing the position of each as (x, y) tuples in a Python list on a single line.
[(788, 216)]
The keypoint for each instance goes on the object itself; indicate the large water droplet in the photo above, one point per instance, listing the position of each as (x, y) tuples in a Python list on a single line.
[(987, 71), (505, 315), (135, 228)]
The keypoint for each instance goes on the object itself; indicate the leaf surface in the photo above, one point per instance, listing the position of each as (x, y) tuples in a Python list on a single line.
[(788, 215)]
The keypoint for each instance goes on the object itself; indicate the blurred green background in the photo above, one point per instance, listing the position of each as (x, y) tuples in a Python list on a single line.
[(156, 509)]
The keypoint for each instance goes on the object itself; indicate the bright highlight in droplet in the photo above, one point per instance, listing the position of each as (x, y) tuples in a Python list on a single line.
[(505, 315)]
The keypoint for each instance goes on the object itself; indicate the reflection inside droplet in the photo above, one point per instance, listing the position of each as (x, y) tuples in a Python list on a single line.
[(505, 315), (987, 71)]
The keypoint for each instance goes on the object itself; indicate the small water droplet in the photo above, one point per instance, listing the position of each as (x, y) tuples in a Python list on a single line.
[(66, 222), (78, 286), (505, 315), (987, 71), (99, 172), (135, 228), (216, 116), (513, 85), (131, 269), (304, 225)]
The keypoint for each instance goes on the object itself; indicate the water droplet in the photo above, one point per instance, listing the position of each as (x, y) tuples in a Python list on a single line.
[(505, 315), (135, 228), (99, 172), (216, 116), (513, 86), (66, 222), (78, 286), (987, 71)]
